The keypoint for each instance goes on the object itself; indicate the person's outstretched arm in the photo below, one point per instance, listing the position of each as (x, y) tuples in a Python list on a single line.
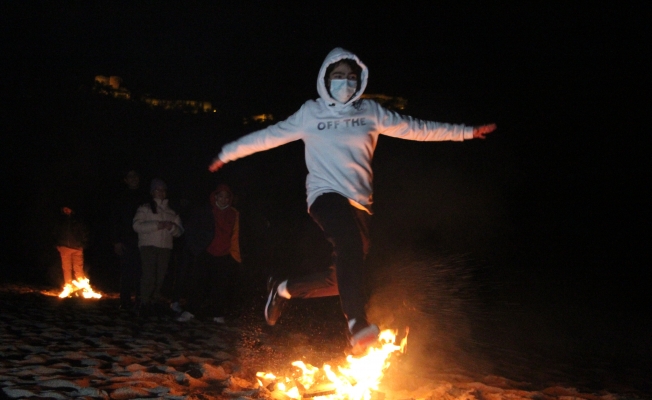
[(264, 139), (401, 126)]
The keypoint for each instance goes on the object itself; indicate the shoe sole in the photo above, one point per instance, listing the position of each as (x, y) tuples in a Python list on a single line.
[(269, 302)]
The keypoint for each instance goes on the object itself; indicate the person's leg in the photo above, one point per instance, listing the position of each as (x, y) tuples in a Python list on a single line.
[(162, 262), (346, 228), (201, 283), (182, 274), (130, 273), (225, 286), (77, 259), (125, 290), (238, 292), (341, 226), (136, 270), (207, 301), (66, 264), (148, 277), (318, 284)]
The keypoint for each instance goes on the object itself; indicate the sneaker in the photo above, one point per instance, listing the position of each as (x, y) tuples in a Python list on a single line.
[(185, 317), (219, 320), (275, 303), (176, 307), (364, 338)]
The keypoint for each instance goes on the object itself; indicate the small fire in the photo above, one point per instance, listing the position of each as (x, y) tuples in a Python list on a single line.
[(355, 381), (83, 285)]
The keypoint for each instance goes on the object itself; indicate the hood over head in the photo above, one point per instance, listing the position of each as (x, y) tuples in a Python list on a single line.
[(157, 184), (334, 56), (220, 188)]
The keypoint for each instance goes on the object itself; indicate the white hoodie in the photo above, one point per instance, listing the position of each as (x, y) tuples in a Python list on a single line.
[(340, 139)]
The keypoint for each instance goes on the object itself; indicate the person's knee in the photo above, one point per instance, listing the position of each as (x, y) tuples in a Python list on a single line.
[(350, 250), (348, 240)]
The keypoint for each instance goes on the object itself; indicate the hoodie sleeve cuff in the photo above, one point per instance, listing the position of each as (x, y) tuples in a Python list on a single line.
[(468, 133)]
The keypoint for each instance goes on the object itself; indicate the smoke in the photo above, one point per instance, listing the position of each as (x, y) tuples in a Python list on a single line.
[(440, 299)]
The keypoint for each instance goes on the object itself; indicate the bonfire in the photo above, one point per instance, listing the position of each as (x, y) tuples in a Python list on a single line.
[(358, 379), (79, 287)]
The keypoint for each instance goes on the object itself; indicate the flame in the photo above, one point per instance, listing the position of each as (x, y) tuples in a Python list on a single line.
[(67, 289), (356, 380), (82, 285)]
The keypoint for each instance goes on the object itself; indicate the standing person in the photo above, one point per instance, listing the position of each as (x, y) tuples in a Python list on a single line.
[(125, 239), (218, 264), (340, 132), (71, 236), (157, 225)]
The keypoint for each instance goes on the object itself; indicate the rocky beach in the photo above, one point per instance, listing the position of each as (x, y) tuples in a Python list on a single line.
[(53, 348)]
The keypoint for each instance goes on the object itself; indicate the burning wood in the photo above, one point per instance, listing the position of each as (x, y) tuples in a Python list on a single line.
[(357, 380)]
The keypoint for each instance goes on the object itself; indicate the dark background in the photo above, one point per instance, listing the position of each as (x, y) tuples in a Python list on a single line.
[(542, 227)]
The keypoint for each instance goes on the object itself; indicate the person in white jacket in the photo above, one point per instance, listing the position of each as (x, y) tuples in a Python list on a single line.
[(340, 132), (156, 224)]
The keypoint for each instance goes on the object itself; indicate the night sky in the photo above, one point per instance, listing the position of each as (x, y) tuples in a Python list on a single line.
[(554, 199)]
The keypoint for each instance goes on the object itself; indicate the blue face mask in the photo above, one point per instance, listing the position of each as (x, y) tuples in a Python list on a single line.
[(343, 89)]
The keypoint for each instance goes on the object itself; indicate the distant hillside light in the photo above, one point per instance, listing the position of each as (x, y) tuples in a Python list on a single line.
[(112, 86), (260, 118), (115, 82), (102, 80)]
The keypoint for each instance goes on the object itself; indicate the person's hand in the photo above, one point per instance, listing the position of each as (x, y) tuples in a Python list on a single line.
[(118, 249), (162, 225), (216, 165), (479, 132)]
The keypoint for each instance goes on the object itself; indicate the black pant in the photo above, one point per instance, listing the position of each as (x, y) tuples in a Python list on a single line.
[(217, 285), (130, 272), (347, 228), (184, 274)]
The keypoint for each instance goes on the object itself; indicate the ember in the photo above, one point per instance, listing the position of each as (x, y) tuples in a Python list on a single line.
[(358, 380)]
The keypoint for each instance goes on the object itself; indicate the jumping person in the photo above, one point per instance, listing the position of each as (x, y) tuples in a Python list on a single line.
[(340, 132)]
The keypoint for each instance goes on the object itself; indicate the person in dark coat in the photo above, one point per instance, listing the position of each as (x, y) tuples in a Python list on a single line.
[(71, 236), (125, 239)]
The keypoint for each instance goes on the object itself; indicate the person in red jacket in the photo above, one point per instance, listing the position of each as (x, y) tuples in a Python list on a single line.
[(217, 270)]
